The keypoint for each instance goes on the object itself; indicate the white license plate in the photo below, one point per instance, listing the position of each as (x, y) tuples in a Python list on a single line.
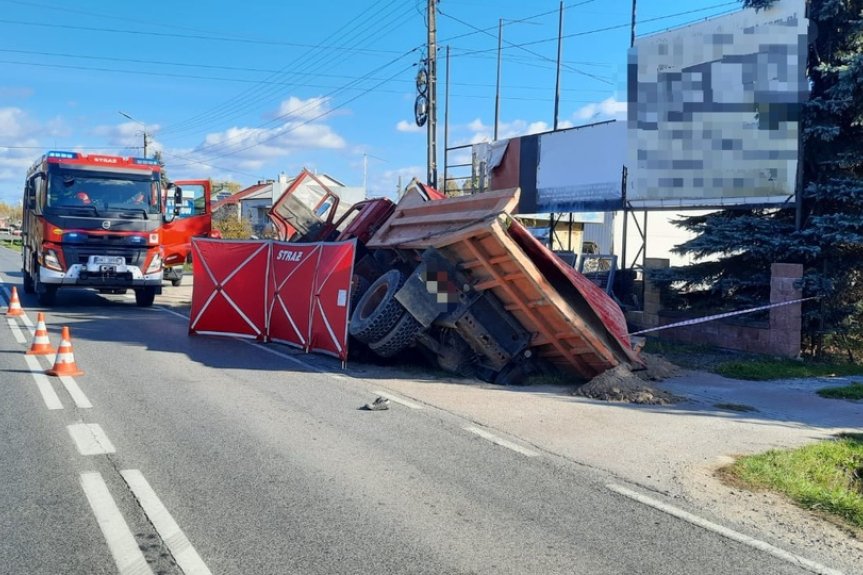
[(108, 260)]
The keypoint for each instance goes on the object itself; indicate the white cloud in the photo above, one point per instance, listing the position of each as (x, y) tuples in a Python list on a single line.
[(386, 184), (21, 134), (607, 109), (409, 127), (128, 135), (294, 109)]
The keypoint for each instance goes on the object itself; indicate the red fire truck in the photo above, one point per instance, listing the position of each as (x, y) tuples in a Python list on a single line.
[(92, 220)]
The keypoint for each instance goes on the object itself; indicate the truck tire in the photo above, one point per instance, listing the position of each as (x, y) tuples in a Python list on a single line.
[(401, 337), (145, 296), (28, 282), (378, 310), (359, 286), (45, 294)]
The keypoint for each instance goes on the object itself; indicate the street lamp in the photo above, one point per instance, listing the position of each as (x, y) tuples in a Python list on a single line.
[(125, 115)]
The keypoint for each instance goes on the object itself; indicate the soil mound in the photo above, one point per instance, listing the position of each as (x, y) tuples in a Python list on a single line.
[(621, 384)]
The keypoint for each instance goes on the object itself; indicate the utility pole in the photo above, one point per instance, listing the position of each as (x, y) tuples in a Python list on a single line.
[(146, 135), (446, 123), (497, 85), (432, 93), (557, 76)]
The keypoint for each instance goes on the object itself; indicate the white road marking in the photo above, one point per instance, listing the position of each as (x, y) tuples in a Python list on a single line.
[(185, 555), (282, 355), (28, 322), (256, 345), (124, 549), (75, 392), (500, 441), (395, 399), (49, 396), (90, 439), (178, 314), (16, 330), (725, 532)]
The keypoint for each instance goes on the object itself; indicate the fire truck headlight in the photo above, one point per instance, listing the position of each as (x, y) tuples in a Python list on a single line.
[(51, 261), (155, 264)]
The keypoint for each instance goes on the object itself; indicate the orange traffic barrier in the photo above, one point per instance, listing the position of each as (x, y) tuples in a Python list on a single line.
[(15, 308), (64, 363), (41, 345)]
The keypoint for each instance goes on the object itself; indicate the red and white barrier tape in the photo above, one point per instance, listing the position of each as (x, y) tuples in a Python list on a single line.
[(722, 315)]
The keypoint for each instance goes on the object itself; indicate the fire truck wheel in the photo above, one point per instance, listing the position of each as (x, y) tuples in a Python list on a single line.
[(145, 296), (45, 294), (378, 310), (28, 282), (402, 336)]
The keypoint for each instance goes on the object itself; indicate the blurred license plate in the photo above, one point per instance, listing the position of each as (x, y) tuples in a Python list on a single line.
[(107, 260)]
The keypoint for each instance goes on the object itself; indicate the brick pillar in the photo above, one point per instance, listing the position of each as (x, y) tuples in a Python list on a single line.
[(785, 321), (652, 293)]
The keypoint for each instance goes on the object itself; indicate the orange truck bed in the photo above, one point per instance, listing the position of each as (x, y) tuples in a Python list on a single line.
[(573, 323)]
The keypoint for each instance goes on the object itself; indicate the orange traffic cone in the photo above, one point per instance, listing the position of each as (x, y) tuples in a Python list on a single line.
[(14, 304), (41, 345), (64, 363)]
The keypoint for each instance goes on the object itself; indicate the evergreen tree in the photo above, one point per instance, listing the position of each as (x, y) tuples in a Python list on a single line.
[(829, 241)]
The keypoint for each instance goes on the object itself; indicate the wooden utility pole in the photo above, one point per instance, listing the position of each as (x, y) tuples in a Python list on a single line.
[(557, 74), (497, 85), (432, 94)]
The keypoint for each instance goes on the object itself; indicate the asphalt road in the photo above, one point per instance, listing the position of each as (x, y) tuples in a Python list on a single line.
[(202, 454)]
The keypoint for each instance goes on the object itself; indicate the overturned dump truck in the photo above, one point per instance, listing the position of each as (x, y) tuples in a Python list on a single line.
[(463, 282)]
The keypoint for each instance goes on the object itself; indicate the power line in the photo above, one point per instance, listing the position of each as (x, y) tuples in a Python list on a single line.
[(370, 21), (525, 19), (537, 54), (191, 36), (307, 121), (311, 105), (605, 29)]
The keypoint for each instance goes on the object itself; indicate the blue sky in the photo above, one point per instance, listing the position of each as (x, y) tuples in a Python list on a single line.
[(244, 91)]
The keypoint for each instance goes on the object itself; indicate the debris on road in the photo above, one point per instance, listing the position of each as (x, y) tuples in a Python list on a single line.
[(620, 384), (380, 404)]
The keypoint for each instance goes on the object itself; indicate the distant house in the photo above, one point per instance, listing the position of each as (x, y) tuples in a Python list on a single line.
[(254, 202)]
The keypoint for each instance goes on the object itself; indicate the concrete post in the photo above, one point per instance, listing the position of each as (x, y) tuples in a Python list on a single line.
[(652, 293), (785, 321)]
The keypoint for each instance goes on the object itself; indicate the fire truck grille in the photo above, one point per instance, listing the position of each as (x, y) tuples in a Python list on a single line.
[(81, 254)]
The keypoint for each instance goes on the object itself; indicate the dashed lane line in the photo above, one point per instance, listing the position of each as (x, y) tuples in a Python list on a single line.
[(176, 541), (502, 442), (49, 396), (90, 439), (725, 531), (124, 549), (396, 399), (75, 392)]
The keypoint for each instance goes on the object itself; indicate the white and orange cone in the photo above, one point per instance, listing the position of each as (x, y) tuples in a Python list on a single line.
[(41, 344), (64, 363), (15, 308)]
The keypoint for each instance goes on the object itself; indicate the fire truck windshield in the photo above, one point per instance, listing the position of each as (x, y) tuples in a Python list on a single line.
[(80, 191)]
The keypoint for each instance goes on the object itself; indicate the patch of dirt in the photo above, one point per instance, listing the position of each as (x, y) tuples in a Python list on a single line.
[(623, 385)]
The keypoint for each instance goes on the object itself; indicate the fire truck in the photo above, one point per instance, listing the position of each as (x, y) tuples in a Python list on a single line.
[(92, 220)]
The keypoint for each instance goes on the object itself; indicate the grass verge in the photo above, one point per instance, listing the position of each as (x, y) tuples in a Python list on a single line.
[(825, 477), (853, 392), (766, 369)]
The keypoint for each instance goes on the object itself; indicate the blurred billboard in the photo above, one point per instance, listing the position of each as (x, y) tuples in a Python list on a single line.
[(713, 111)]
